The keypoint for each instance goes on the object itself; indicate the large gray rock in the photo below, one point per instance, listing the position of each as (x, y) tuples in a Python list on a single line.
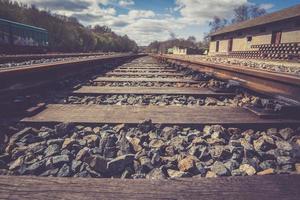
[(156, 173), (248, 169), (33, 169), (177, 174), (97, 163), (219, 169), (284, 148), (57, 161), (107, 141), (286, 133), (168, 132), (14, 138), (145, 126), (30, 138), (284, 160), (118, 164), (146, 165), (58, 141), (63, 129), (64, 171), (75, 165), (267, 164), (52, 149), (220, 153), (50, 172), (82, 154), (16, 163), (264, 143)]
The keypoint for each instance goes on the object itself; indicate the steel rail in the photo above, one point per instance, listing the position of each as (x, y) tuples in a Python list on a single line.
[(265, 82), (26, 57), (22, 78)]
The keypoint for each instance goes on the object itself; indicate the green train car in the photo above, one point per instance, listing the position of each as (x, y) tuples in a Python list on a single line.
[(21, 38)]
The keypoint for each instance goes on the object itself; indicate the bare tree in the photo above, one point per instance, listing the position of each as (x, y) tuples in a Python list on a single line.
[(256, 11), (192, 39), (246, 12), (217, 23)]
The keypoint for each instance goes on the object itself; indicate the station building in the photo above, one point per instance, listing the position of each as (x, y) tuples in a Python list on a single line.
[(272, 36), (181, 50)]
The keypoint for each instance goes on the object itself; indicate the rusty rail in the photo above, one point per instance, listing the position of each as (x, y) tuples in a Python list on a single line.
[(22, 78), (25, 57), (265, 82)]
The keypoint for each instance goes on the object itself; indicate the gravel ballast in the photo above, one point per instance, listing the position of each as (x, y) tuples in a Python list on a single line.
[(149, 151)]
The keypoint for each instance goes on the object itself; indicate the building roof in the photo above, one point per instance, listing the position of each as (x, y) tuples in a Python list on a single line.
[(284, 14)]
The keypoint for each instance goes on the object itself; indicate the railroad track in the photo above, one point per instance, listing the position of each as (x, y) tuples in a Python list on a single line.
[(142, 119), (273, 83), (26, 57)]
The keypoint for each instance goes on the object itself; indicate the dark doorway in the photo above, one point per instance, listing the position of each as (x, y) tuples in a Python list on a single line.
[(230, 42), (217, 46), (276, 37)]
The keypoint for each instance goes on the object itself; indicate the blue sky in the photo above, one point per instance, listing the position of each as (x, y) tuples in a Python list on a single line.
[(149, 20)]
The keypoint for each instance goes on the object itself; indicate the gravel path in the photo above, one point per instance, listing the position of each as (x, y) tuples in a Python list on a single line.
[(148, 151)]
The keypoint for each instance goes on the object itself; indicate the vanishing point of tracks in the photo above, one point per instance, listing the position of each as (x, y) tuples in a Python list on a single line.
[(143, 120)]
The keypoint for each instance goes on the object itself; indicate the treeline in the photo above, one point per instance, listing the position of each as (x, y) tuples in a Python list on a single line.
[(66, 34), (162, 47)]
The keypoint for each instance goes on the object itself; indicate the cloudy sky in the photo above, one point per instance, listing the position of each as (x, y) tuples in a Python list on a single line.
[(149, 20)]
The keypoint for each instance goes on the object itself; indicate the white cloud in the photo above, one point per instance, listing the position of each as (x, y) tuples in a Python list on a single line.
[(186, 17), (266, 6), (136, 14), (126, 3), (198, 11)]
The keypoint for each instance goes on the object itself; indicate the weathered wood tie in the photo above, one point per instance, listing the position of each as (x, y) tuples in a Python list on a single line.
[(142, 74), (133, 67), (159, 114), (162, 80), (146, 70), (275, 187), (97, 90)]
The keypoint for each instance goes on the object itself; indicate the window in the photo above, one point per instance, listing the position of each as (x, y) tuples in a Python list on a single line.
[(249, 38), (230, 43), (217, 46)]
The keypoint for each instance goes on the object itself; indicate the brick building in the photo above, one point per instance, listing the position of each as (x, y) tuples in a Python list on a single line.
[(273, 36)]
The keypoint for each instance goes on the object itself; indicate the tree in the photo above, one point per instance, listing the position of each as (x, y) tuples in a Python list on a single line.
[(241, 13), (102, 29), (216, 24), (192, 39), (66, 34), (246, 12), (256, 11)]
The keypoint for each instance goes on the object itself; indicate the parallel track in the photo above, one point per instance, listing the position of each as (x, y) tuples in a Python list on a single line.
[(26, 57), (276, 84)]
